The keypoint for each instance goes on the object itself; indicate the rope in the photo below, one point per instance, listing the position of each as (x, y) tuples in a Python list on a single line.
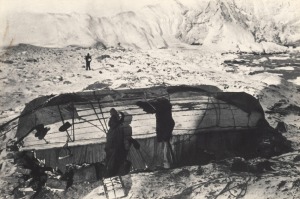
[(4, 133), (104, 130), (227, 188), (73, 124), (66, 147), (62, 119), (145, 98), (102, 115), (243, 185), (134, 157), (233, 116), (198, 127), (143, 159), (172, 152), (89, 123)]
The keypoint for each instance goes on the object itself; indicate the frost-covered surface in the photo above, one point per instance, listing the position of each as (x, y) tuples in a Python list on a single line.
[(212, 181)]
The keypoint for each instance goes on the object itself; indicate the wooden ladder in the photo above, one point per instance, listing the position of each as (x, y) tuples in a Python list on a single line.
[(112, 188)]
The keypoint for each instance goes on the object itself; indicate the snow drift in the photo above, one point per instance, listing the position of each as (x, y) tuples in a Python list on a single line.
[(229, 25)]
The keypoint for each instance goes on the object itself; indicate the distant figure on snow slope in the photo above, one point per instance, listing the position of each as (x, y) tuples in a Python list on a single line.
[(88, 60)]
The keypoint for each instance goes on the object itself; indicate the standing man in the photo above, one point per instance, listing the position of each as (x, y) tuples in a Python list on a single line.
[(88, 60), (114, 148), (164, 126)]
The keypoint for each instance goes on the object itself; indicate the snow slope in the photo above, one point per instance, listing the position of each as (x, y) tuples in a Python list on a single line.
[(237, 25)]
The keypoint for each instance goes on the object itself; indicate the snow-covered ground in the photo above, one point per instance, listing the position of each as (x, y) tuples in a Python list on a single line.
[(154, 50), (28, 72)]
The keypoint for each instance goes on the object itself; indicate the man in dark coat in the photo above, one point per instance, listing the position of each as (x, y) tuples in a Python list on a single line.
[(88, 60), (164, 120), (115, 151), (164, 126)]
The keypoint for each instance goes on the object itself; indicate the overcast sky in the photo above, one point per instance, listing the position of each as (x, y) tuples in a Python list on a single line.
[(93, 7)]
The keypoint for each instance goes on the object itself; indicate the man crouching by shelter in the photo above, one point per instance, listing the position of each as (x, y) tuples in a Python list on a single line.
[(116, 151)]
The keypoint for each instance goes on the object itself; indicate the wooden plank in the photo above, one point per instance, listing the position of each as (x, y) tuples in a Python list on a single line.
[(42, 146), (176, 107)]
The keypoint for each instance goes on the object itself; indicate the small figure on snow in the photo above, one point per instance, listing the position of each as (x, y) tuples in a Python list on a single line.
[(88, 60)]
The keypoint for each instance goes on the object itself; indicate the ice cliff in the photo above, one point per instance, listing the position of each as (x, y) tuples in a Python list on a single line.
[(236, 25)]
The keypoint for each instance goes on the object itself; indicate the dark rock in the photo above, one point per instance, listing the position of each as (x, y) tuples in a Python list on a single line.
[(264, 166), (281, 127), (96, 85), (183, 173), (297, 158), (102, 57), (99, 45), (291, 108), (23, 171), (58, 78), (56, 183), (8, 62), (296, 183), (18, 193), (10, 155), (31, 60), (200, 170), (239, 165), (140, 70), (281, 184), (67, 82), (87, 173)]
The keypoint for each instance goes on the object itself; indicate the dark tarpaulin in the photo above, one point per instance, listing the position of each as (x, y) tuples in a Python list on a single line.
[(27, 118), (242, 100), (198, 88), (47, 115), (45, 110), (65, 98)]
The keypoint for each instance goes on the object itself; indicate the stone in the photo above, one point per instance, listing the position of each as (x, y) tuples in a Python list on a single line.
[(56, 183), (297, 158), (281, 127), (87, 173)]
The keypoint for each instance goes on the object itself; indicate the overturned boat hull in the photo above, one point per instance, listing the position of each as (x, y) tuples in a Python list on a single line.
[(208, 125)]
